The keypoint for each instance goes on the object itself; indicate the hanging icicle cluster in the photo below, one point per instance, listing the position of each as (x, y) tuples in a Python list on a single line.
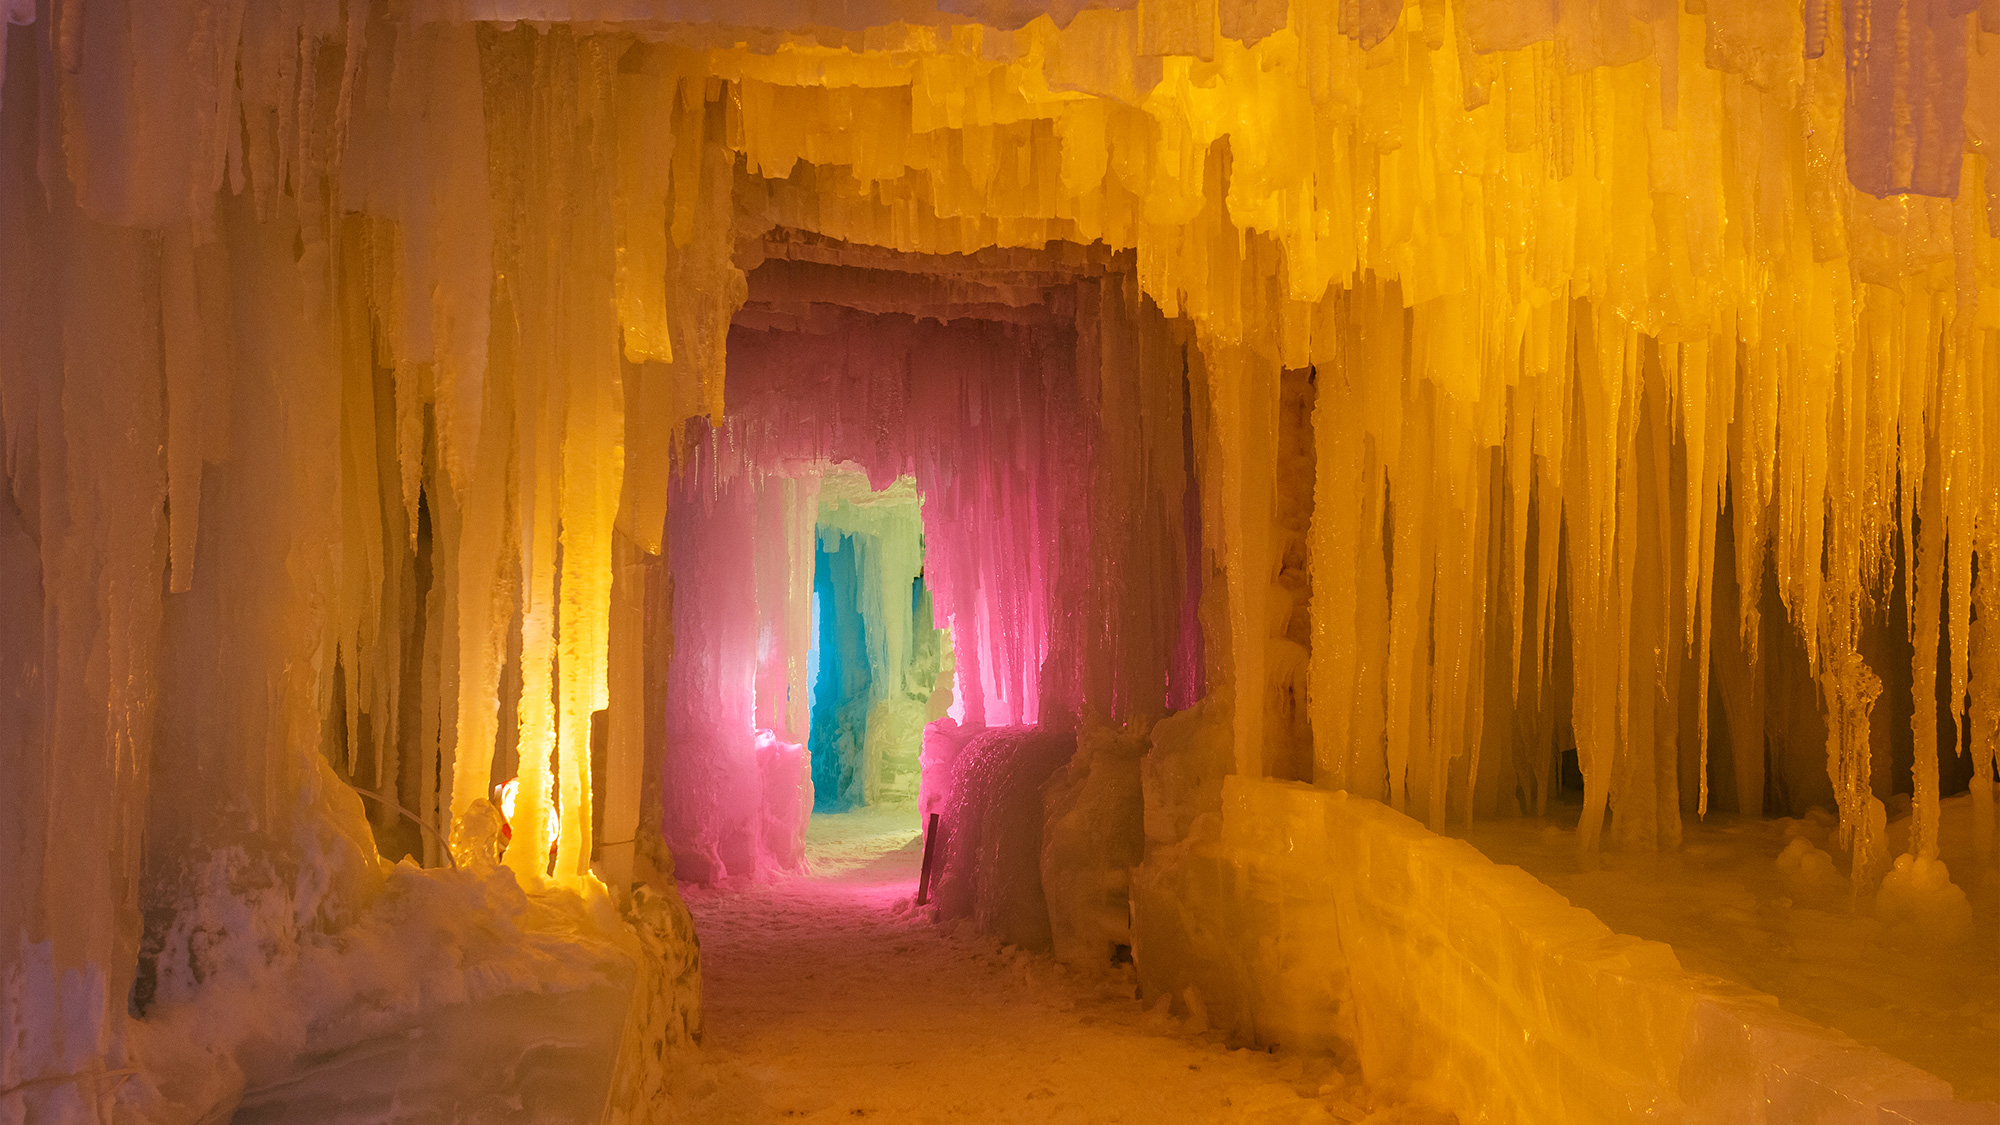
[(369, 331)]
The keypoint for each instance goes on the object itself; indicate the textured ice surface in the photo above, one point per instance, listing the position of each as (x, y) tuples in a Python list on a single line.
[(735, 795), (454, 996), (840, 679), (881, 656), (1762, 903), (348, 351), (801, 680), (988, 861), (515, 1058), (1299, 913), (1093, 835)]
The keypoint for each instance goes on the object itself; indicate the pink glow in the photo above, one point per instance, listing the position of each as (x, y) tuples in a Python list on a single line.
[(1053, 543), (736, 795), (979, 412)]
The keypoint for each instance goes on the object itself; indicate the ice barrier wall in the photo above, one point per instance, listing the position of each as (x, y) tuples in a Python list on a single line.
[(1312, 918), (338, 344)]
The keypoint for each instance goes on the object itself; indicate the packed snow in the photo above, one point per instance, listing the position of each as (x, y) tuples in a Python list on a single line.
[(831, 997)]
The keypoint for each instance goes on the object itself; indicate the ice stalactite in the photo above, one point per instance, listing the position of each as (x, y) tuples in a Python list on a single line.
[(736, 793), (1652, 355), (346, 482)]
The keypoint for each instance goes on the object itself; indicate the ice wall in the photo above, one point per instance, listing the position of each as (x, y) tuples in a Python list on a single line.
[(301, 401), (1093, 835), (735, 795), (1472, 985), (988, 860), (307, 302)]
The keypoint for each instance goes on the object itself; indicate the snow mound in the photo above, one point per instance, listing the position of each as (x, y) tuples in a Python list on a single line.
[(990, 844)]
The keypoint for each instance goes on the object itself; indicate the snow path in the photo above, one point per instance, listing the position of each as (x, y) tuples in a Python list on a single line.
[(829, 998)]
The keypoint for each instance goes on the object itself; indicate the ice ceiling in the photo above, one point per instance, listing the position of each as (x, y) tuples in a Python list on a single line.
[(1499, 377)]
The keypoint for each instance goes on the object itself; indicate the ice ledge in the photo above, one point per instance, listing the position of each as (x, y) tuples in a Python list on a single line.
[(1307, 917)]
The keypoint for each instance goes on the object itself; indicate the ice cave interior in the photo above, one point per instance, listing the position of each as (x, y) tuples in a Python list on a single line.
[(1439, 552)]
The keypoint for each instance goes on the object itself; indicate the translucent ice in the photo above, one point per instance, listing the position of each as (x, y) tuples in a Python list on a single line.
[(398, 399)]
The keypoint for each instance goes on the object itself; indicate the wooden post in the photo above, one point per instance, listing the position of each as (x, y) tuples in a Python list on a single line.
[(930, 848)]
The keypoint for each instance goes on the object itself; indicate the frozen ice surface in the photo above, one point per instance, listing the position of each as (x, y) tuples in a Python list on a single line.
[(879, 657), (1093, 835), (1759, 902), (735, 795), (841, 679), (1300, 912), (1937, 1113)]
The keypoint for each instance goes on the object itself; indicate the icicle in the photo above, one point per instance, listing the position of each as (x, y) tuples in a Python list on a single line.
[(1909, 53), (181, 340), (645, 153), (462, 248), (392, 271), (1926, 607), (1338, 504), (1244, 387)]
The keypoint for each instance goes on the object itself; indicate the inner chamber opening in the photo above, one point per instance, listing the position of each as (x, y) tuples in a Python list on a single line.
[(879, 667), (911, 551)]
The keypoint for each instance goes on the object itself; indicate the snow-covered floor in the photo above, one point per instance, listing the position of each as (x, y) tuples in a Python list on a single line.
[(830, 998)]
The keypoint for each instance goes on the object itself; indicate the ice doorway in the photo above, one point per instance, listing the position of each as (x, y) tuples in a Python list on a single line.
[(879, 668), (909, 441), (805, 658)]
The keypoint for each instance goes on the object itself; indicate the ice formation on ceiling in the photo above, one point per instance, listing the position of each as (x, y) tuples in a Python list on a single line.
[(377, 332)]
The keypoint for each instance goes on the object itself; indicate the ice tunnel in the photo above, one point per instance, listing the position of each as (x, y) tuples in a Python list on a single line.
[(1077, 560)]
